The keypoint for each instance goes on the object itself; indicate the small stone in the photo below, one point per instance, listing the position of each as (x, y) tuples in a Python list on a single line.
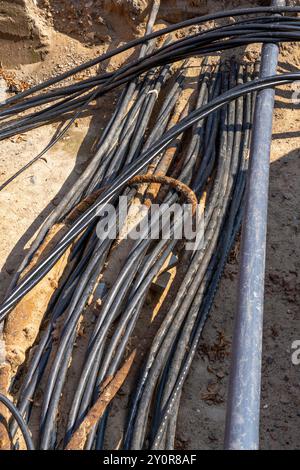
[(220, 375), (284, 400), (91, 35)]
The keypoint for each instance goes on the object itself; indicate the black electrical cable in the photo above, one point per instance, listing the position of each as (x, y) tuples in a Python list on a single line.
[(18, 417), (153, 35), (160, 57), (83, 221)]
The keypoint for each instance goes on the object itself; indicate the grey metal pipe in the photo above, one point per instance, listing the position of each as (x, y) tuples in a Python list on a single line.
[(243, 409)]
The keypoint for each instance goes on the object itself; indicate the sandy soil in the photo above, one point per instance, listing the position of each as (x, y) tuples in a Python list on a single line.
[(28, 200)]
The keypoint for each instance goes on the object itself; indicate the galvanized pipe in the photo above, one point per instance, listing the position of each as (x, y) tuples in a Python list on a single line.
[(243, 409)]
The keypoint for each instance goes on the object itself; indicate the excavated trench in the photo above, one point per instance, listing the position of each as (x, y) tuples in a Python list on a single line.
[(36, 32)]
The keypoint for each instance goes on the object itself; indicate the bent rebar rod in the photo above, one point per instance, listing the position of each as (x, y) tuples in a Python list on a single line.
[(243, 409)]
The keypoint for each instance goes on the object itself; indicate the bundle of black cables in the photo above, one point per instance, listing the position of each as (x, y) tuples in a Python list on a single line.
[(263, 29)]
